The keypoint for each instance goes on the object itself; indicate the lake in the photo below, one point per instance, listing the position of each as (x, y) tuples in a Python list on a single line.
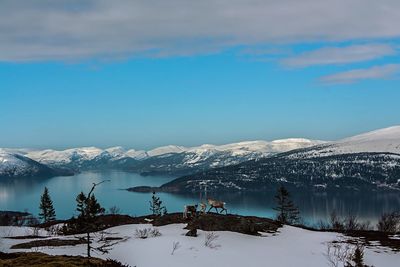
[(24, 194)]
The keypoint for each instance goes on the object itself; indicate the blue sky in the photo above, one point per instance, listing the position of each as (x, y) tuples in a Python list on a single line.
[(188, 87)]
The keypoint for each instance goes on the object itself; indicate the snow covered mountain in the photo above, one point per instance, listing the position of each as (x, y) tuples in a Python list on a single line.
[(164, 160), (368, 160), (385, 140), (372, 158), (14, 165), (207, 156)]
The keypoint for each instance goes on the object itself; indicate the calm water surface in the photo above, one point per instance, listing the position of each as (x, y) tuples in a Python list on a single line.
[(24, 194)]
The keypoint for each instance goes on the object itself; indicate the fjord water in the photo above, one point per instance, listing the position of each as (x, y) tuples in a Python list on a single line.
[(24, 194)]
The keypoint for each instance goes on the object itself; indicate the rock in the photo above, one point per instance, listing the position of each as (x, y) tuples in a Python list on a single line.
[(192, 232)]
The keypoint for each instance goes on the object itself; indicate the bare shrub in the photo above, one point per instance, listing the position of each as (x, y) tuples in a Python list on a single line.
[(322, 225), (210, 238), (336, 223), (389, 222), (351, 223), (338, 253), (147, 232), (175, 245), (154, 232), (366, 226), (342, 254), (114, 210)]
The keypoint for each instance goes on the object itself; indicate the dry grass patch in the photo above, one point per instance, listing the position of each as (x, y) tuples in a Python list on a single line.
[(43, 260)]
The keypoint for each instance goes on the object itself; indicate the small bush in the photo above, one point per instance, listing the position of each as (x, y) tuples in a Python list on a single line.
[(389, 222), (147, 232), (336, 223), (114, 210), (175, 246), (209, 240), (340, 253), (351, 223), (113, 263)]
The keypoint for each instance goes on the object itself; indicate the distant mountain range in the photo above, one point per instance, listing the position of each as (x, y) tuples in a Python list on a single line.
[(171, 160), (370, 160)]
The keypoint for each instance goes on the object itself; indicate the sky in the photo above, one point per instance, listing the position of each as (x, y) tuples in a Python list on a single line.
[(142, 74)]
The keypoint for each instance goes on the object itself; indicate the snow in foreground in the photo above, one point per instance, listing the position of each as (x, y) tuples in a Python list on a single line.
[(289, 247)]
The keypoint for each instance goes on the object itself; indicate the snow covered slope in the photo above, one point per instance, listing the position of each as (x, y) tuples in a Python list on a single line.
[(165, 150), (385, 140), (289, 247), (370, 160), (14, 165)]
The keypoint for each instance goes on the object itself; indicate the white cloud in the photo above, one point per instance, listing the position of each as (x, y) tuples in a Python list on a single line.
[(351, 76), (72, 29), (340, 55)]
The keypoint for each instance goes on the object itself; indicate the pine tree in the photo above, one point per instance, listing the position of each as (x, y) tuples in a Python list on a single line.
[(93, 207), (287, 211), (358, 257), (47, 213), (156, 206), (88, 208), (81, 205)]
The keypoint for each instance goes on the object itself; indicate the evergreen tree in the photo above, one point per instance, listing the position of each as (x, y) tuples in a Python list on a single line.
[(357, 258), (287, 211), (47, 211), (88, 208), (156, 206), (81, 204), (93, 207)]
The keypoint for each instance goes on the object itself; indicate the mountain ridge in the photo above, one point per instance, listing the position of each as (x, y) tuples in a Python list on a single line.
[(352, 163), (171, 159)]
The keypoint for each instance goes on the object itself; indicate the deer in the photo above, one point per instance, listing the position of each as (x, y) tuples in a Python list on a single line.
[(217, 205)]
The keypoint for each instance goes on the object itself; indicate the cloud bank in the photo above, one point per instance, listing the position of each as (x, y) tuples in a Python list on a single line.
[(73, 30), (340, 55), (351, 76)]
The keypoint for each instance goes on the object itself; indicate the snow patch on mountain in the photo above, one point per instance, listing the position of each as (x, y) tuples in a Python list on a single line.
[(166, 150), (136, 154), (385, 140), (175, 157), (56, 157), (11, 163)]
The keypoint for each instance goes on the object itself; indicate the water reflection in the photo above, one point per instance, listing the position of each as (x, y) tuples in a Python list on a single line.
[(24, 194)]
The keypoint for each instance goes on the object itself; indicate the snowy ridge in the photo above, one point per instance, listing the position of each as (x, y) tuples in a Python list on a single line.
[(385, 140), (10, 163), (366, 161), (79, 156), (14, 165), (276, 146), (166, 150), (51, 157)]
